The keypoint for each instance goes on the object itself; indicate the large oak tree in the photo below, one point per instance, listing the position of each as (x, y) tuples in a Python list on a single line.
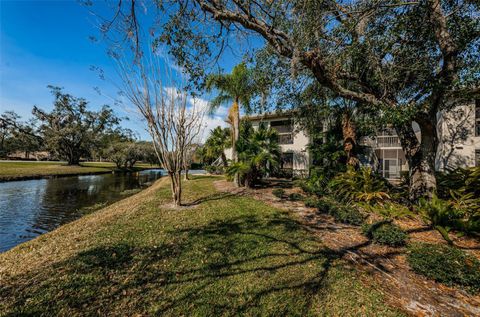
[(70, 130), (409, 59)]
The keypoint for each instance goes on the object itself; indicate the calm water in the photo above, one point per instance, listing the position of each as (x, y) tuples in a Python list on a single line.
[(32, 207)]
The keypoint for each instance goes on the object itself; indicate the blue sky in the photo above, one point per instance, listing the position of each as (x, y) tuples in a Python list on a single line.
[(47, 43)]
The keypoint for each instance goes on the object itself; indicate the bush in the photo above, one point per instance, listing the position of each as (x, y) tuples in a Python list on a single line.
[(464, 180), (278, 192), (389, 210), (445, 264), (340, 212), (442, 215), (311, 201), (324, 206), (346, 214), (386, 233), (362, 185), (316, 184), (295, 197)]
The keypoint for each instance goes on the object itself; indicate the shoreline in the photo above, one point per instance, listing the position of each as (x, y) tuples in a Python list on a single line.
[(14, 178)]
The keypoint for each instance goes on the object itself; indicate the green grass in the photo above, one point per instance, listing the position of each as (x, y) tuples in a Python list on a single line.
[(24, 169), (225, 255)]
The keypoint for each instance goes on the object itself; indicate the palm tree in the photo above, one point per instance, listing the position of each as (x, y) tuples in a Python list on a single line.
[(236, 89), (217, 142), (258, 154)]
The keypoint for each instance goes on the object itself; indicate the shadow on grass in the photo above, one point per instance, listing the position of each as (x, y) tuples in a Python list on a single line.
[(212, 197), (242, 265)]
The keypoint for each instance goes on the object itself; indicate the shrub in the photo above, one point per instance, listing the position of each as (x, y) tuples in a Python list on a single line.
[(311, 201), (445, 264), (295, 197), (324, 205), (362, 185), (441, 215), (385, 232), (346, 214), (278, 192), (390, 210), (316, 184), (340, 212), (464, 180)]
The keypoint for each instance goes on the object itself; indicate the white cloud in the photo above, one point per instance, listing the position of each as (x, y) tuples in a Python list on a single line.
[(212, 121)]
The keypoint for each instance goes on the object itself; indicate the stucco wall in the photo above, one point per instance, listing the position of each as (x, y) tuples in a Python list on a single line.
[(298, 148), (456, 133)]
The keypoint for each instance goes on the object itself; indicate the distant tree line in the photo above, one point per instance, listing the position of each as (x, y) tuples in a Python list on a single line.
[(72, 132)]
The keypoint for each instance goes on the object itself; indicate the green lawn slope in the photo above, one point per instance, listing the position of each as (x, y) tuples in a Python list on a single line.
[(223, 255)]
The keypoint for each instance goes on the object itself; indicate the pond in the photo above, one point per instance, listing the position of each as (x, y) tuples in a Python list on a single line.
[(30, 208)]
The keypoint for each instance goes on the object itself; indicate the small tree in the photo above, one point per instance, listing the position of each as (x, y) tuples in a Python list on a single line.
[(173, 122)]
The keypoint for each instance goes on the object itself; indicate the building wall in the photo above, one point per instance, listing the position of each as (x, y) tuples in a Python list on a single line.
[(458, 142), (298, 147)]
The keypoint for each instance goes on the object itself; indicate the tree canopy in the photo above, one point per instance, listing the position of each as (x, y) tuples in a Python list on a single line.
[(70, 130)]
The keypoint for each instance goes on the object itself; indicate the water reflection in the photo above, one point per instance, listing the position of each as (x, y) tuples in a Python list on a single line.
[(32, 207)]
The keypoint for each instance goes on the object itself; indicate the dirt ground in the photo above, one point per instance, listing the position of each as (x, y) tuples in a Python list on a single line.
[(411, 292)]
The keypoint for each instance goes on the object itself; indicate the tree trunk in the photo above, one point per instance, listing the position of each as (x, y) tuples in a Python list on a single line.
[(176, 186), (73, 161), (235, 118), (349, 139), (186, 175), (420, 156)]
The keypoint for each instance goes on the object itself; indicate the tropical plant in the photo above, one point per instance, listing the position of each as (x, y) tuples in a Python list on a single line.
[(461, 180), (236, 89), (441, 215), (258, 154), (389, 209), (362, 185), (218, 141)]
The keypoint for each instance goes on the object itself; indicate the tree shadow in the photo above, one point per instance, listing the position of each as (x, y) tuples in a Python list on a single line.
[(212, 197), (225, 267)]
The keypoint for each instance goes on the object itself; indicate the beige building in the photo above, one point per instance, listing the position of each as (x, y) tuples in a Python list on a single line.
[(293, 142), (459, 135), (458, 132), (459, 143)]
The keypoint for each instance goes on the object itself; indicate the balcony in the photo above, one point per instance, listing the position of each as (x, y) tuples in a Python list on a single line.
[(387, 141)]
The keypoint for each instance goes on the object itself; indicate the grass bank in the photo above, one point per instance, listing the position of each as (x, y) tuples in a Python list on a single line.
[(224, 255), (17, 170)]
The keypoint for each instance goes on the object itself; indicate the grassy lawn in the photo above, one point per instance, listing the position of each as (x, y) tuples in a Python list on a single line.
[(225, 255), (20, 169)]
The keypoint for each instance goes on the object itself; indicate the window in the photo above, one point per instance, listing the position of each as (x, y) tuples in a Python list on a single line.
[(477, 117), (282, 126), (284, 129)]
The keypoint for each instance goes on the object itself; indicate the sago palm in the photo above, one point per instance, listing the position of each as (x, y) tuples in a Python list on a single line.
[(235, 89)]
